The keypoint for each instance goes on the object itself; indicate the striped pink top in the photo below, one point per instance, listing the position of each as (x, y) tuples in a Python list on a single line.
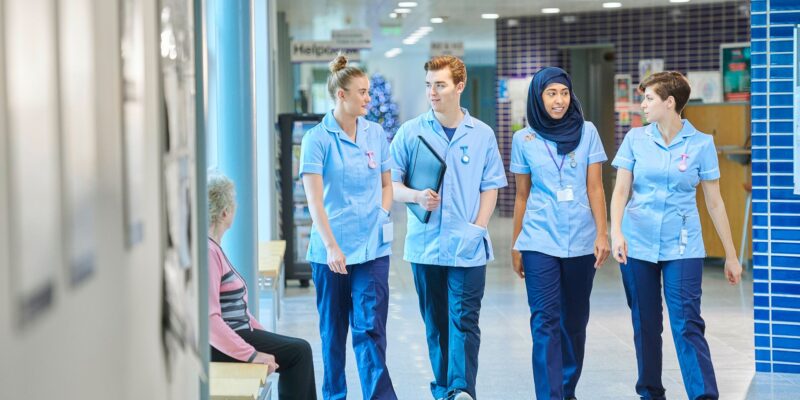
[(227, 307)]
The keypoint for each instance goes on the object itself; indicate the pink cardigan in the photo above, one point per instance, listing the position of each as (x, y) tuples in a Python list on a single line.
[(221, 336)]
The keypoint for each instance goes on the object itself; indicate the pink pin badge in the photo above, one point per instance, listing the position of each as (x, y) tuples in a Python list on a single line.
[(372, 164)]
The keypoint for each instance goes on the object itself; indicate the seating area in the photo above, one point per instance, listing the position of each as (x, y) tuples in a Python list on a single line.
[(239, 381), (271, 274)]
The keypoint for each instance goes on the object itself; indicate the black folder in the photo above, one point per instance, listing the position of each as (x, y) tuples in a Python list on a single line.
[(425, 171)]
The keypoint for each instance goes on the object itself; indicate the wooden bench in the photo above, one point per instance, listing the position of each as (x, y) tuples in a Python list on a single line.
[(239, 381), (271, 274)]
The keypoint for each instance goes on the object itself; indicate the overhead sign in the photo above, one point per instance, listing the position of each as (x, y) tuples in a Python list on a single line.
[(320, 51), (455, 49), (352, 38)]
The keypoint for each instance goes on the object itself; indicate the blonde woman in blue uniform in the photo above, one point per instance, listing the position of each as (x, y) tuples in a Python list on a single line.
[(560, 232), (656, 236), (346, 175)]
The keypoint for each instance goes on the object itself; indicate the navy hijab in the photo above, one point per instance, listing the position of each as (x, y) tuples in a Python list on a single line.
[(566, 132)]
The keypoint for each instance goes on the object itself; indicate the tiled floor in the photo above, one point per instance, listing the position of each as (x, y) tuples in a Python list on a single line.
[(505, 369)]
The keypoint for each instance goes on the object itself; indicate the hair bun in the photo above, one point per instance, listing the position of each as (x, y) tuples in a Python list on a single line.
[(339, 63)]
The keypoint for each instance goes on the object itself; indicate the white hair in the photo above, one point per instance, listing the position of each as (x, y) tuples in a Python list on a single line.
[(221, 197)]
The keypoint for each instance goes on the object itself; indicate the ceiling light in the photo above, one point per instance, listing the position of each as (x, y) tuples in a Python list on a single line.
[(550, 11), (437, 20), (490, 16), (393, 15), (409, 41), (393, 52), (402, 10), (407, 4), (678, 1), (612, 5)]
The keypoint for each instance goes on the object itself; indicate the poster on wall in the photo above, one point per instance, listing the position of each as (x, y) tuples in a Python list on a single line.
[(735, 67), (133, 135), (180, 298), (34, 180), (650, 67), (706, 86), (623, 90), (78, 139), (518, 98), (623, 98)]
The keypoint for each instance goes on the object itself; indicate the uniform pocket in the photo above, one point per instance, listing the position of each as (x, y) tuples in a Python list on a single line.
[(633, 205), (338, 221), (539, 207), (472, 244), (334, 220)]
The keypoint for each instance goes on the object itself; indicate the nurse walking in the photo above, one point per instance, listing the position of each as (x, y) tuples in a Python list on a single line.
[(448, 255), (560, 232), (346, 175), (656, 235)]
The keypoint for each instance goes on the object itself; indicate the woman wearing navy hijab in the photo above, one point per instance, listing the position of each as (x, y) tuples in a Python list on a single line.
[(560, 233)]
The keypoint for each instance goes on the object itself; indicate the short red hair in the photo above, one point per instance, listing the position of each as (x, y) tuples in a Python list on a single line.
[(457, 69)]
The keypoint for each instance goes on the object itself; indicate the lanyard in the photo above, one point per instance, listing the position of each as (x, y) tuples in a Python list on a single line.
[(555, 162)]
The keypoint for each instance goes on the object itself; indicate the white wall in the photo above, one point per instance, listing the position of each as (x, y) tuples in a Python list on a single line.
[(406, 73), (101, 339)]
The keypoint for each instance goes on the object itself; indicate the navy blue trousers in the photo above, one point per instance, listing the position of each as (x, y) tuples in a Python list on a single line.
[(682, 290), (558, 296), (358, 300), (450, 304)]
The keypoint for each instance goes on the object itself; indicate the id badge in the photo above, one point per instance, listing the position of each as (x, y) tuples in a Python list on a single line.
[(388, 232), (565, 194), (684, 240)]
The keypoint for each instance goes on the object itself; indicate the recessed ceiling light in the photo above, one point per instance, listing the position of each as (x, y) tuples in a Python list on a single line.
[(678, 1), (393, 15), (612, 5), (490, 16), (407, 4), (550, 11), (402, 10), (393, 52), (437, 20), (410, 40)]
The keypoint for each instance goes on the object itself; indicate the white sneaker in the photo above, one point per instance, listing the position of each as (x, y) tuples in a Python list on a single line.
[(462, 396)]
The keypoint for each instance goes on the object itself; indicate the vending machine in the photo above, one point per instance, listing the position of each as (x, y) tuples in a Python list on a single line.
[(295, 220)]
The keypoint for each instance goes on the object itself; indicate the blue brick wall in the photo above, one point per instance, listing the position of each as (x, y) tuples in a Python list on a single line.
[(776, 211), (686, 36)]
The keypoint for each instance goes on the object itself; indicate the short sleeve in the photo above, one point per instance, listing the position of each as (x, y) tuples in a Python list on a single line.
[(312, 154), (597, 154), (398, 153), (386, 158), (625, 158), (494, 174), (518, 163), (709, 162)]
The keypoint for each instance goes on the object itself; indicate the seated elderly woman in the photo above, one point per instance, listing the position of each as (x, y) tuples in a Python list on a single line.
[(235, 335)]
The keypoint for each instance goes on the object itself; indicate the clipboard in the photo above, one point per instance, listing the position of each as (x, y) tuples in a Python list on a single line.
[(426, 171)]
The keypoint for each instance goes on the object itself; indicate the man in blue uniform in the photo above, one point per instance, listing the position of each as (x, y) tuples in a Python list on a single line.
[(448, 255)]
